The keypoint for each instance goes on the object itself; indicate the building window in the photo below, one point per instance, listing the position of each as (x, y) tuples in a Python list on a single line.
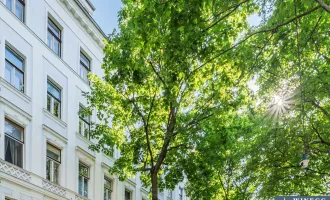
[(107, 189), (83, 179), (128, 195), (14, 72), (14, 141), (53, 99), (181, 193), (84, 122), (84, 67), (16, 7), (53, 163), (54, 37)]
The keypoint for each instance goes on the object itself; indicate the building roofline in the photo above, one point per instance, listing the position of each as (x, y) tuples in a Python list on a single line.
[(91, 4), (90, 17)]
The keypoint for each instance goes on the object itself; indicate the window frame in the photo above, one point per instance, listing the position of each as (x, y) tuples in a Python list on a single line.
[(14, 139), (59, 39), (53, 163), (83, 178), (13, 8), (82, 64), (107, 190), (11, 50), (54, 85), (130, 192), (84, 121)]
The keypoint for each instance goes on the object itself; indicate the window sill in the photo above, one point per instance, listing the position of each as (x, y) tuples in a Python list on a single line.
[(112, 158), (56, 119), (79, 197), (15, 90), (87, 141)]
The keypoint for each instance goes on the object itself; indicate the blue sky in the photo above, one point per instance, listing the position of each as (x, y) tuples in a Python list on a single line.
[(106, 14)]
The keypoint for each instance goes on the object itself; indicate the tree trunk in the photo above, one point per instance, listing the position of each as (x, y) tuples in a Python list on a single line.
[(154, 185)]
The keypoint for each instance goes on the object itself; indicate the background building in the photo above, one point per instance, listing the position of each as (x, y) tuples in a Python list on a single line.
[(46, 49)]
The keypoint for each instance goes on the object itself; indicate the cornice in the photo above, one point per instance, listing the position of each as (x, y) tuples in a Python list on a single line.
[(74, 11)]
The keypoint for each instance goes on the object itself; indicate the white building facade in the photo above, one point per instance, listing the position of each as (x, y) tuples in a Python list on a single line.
[(47, 47)]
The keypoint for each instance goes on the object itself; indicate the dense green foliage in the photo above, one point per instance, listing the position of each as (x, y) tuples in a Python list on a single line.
[(176, 96), (291, 61)]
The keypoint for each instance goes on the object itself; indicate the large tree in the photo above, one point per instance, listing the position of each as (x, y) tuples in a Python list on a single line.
[(167, 70), (290, 114)]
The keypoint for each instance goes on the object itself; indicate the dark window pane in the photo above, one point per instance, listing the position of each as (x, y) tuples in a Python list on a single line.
[(84, 60), (127, 195), (53, 153), (49, 101), (56, 108), (48, 169), (85, 117), (85, 188), (56, 172), (83, 170), (14, 59), (13, 152), (107, 184), (53, 90), (56, 31), (80, 185), (14, 131)]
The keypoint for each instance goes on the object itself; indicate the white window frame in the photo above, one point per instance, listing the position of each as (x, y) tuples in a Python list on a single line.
[(15, 68), (83, 179), (54, 37), (107, 190), (13, 8), (53, 99), (84, 123), (82, 65), (52, 164), (12, 138)]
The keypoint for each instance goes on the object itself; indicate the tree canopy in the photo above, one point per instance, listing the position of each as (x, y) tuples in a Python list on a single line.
[(175, 97)]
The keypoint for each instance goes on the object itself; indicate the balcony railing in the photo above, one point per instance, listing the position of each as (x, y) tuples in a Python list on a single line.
[(36, 181)]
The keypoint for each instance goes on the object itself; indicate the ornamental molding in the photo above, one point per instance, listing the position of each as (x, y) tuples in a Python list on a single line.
[(82, 22), (53, 188), (14, 171)]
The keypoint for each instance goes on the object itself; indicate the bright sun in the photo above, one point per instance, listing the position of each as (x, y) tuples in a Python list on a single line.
[(281, 103)]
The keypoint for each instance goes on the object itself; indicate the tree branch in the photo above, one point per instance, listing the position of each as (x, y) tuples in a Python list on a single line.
[(316, 105), (323, 5), (226, 15), (146, 128), (319, 135), (157, 73), (193, 122), (233, 6), (274, 28)]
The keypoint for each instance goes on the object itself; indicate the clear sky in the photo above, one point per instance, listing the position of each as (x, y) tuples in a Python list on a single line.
[(106, 14)]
